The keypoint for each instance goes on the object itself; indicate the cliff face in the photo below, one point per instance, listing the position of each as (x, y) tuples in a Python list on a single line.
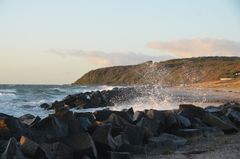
[(169, 73)]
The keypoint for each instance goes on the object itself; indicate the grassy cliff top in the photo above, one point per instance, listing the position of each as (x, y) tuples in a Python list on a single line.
[(168, 73)]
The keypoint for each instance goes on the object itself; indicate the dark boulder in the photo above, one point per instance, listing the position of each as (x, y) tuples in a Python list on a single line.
[(12, 150), (218, 111), (214, 121), (135, 134), (88, 115), (151, 126), (10, 126), (81, 144), (130, 111), (183, 121), (45, 106), (191, 111), (29, 119), (52, 128), (117, 121), (58, 150), (103, 115), (158, 116), (137, 116), (3, 145), (31, 149), (84, 124), (103, 139), (234, 116)]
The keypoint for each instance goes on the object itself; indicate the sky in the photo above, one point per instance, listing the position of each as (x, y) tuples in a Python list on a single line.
[(57, 41)]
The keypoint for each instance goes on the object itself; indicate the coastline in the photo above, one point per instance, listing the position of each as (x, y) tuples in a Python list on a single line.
[(186, 132)]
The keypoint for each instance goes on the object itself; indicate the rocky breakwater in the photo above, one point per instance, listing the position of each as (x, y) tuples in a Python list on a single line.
[(96, 99), (109, 134)]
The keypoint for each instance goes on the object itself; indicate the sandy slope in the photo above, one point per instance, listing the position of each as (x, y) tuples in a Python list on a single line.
[(231, 85)]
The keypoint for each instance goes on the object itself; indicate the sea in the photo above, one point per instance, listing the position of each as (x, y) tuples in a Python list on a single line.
[(18, 100)]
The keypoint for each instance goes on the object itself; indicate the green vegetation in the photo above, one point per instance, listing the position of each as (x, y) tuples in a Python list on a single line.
[(170, 73)]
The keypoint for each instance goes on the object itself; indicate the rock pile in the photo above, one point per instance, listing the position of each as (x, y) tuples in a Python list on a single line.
[(110, 134), (96, 99)]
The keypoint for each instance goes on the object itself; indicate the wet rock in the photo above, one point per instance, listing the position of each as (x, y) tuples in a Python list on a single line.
[(121, 139), (3, 145), (137, 116), (218, 111), (45, 106), (130, 111), (234, 116), (191, 111), (189, 133), (60, 108), (151, 125), (84, 124), (50, 129), (31, 149), (88, 115), (214, 121), (135, 135), (158, 116), (231, 105), (58, 150), (29, 119), (102, 115), (82, 144), (117, 121), (196, 123), (183, 121), (171, 123), (12, 150), (10, 126), (103, 139)]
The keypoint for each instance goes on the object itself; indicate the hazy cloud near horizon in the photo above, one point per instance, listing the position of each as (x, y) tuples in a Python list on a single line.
[(101, 58), (198, 47)]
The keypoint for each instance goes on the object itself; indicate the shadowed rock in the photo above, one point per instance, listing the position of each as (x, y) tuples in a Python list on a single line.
[(31, 149), (58, 150), (81, 144), (12, 150), (10, 126), (29, 119), (103, 139), (151, 125), (214, 121)]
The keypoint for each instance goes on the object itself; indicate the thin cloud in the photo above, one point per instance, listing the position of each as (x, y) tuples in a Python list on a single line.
[(198, 47), (109, 59)]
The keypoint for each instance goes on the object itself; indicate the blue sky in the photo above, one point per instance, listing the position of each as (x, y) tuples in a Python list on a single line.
[(56, 41)]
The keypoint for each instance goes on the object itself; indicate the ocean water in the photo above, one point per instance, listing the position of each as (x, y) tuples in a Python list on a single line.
[(18, 100)]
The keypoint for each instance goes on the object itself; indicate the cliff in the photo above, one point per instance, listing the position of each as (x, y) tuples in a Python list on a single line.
[(168, 73)]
